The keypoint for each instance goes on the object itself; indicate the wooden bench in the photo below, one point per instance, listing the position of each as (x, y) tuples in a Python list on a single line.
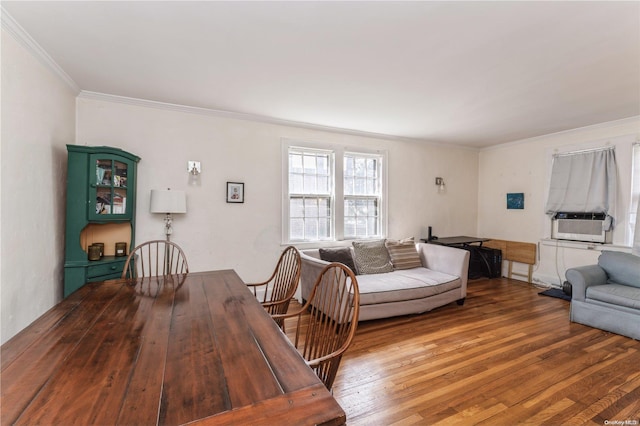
[(514, 251)]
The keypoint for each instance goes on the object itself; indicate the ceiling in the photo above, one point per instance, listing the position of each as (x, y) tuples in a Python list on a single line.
[(468, 73)]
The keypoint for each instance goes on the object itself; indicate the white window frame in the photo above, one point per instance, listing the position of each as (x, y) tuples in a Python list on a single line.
[(312, 196), (337, 222), (375, 196)]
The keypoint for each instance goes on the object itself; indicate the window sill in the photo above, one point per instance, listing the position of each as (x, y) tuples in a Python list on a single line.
[(583, 245)]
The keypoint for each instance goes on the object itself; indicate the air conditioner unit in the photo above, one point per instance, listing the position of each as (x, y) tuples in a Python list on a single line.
[(580, 227)]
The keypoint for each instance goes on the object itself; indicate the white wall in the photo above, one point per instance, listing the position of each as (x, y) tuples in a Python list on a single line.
[(247, 237), (525, 166), (38, 119)]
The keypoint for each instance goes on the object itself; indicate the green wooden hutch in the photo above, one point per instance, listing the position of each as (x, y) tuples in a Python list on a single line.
[(101, 203)]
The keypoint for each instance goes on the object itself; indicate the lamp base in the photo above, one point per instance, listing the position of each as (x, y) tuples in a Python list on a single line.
[(168, 229)]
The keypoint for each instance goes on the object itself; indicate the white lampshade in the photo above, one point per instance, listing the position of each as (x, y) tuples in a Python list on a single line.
[(168, 201)]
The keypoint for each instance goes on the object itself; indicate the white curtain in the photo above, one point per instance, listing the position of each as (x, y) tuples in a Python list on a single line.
[(635, 199), (636, 234), (584, 182)]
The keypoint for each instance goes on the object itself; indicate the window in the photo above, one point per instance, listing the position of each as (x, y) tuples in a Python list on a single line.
[(635, 195), (362, 196), (310, 195), (584, 182), (332, 195)]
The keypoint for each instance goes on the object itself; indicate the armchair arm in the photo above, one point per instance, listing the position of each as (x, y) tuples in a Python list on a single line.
[(255, 286), (450, 260), (309, 273), (582, 277), (269, 306)]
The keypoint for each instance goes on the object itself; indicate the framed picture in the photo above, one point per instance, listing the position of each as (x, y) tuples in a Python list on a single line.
[(515, 200), (235, 192)]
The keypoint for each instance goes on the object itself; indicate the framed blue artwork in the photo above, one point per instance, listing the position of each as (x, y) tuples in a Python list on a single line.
[(515, 200)]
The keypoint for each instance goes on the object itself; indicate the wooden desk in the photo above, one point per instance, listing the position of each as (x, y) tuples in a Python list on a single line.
[(201, 350), (479, 264), (458, 241)]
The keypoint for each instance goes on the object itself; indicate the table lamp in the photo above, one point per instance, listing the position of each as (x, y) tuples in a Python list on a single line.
[(168, 202)]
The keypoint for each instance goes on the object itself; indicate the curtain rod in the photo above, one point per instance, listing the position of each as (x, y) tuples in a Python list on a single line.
[(583, 151)]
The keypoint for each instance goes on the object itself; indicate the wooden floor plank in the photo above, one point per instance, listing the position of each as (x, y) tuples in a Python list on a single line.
[(508, 356)]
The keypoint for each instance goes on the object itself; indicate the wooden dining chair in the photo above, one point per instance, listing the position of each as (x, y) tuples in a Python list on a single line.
[(281, 285), (328, 320), (155, 258)]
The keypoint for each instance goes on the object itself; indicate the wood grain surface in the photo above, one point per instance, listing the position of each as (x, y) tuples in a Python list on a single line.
[(508, 356), (159, 351)]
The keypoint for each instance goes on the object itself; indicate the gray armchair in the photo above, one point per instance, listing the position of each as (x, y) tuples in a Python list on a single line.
[(607, 295)]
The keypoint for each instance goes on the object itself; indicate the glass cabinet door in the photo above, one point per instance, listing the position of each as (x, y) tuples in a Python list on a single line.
[(109, 191)]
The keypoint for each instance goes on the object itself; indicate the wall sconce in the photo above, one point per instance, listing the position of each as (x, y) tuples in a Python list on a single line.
[(168, 202), (440, 184), (194, 169)]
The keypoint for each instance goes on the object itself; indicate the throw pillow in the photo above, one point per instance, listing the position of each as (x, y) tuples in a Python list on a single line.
[(371, 257), (403, 253), (340, 254)]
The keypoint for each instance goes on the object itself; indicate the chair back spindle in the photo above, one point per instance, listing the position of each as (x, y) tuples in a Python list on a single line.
[(155, 258), (333, 308), (282, 285)]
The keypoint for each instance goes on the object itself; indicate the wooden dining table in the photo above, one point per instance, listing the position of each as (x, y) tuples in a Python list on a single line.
[(193, 349)]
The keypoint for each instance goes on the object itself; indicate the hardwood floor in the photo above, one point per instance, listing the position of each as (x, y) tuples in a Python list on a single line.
[(508, 356)]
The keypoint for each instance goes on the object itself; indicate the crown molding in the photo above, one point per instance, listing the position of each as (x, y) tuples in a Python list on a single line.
[(17, 32), (85, 94), (597, 126)]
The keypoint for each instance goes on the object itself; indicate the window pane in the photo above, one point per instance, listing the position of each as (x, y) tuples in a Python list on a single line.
[(361, 207), (361, 175), (296, 208), (323, 185), (295, 184), (371, 167), (360, 166), (311, 208), (349, 227), (362, 217), (310, 164), (310, 184), (349, 208), (311, 229), (324, 208), (348, 166), (348, 185), (323, 165), (324, 229), (296, 229), (372, 186), (373, 226), (295, 163)]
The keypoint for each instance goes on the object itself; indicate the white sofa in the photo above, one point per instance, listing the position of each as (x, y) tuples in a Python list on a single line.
[(442, 279)]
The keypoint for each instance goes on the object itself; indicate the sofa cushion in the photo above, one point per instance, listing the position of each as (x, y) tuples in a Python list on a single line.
[(405, 284), (616, 294), (403, 253), (338, 254), (621, 268), (371, 257)]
